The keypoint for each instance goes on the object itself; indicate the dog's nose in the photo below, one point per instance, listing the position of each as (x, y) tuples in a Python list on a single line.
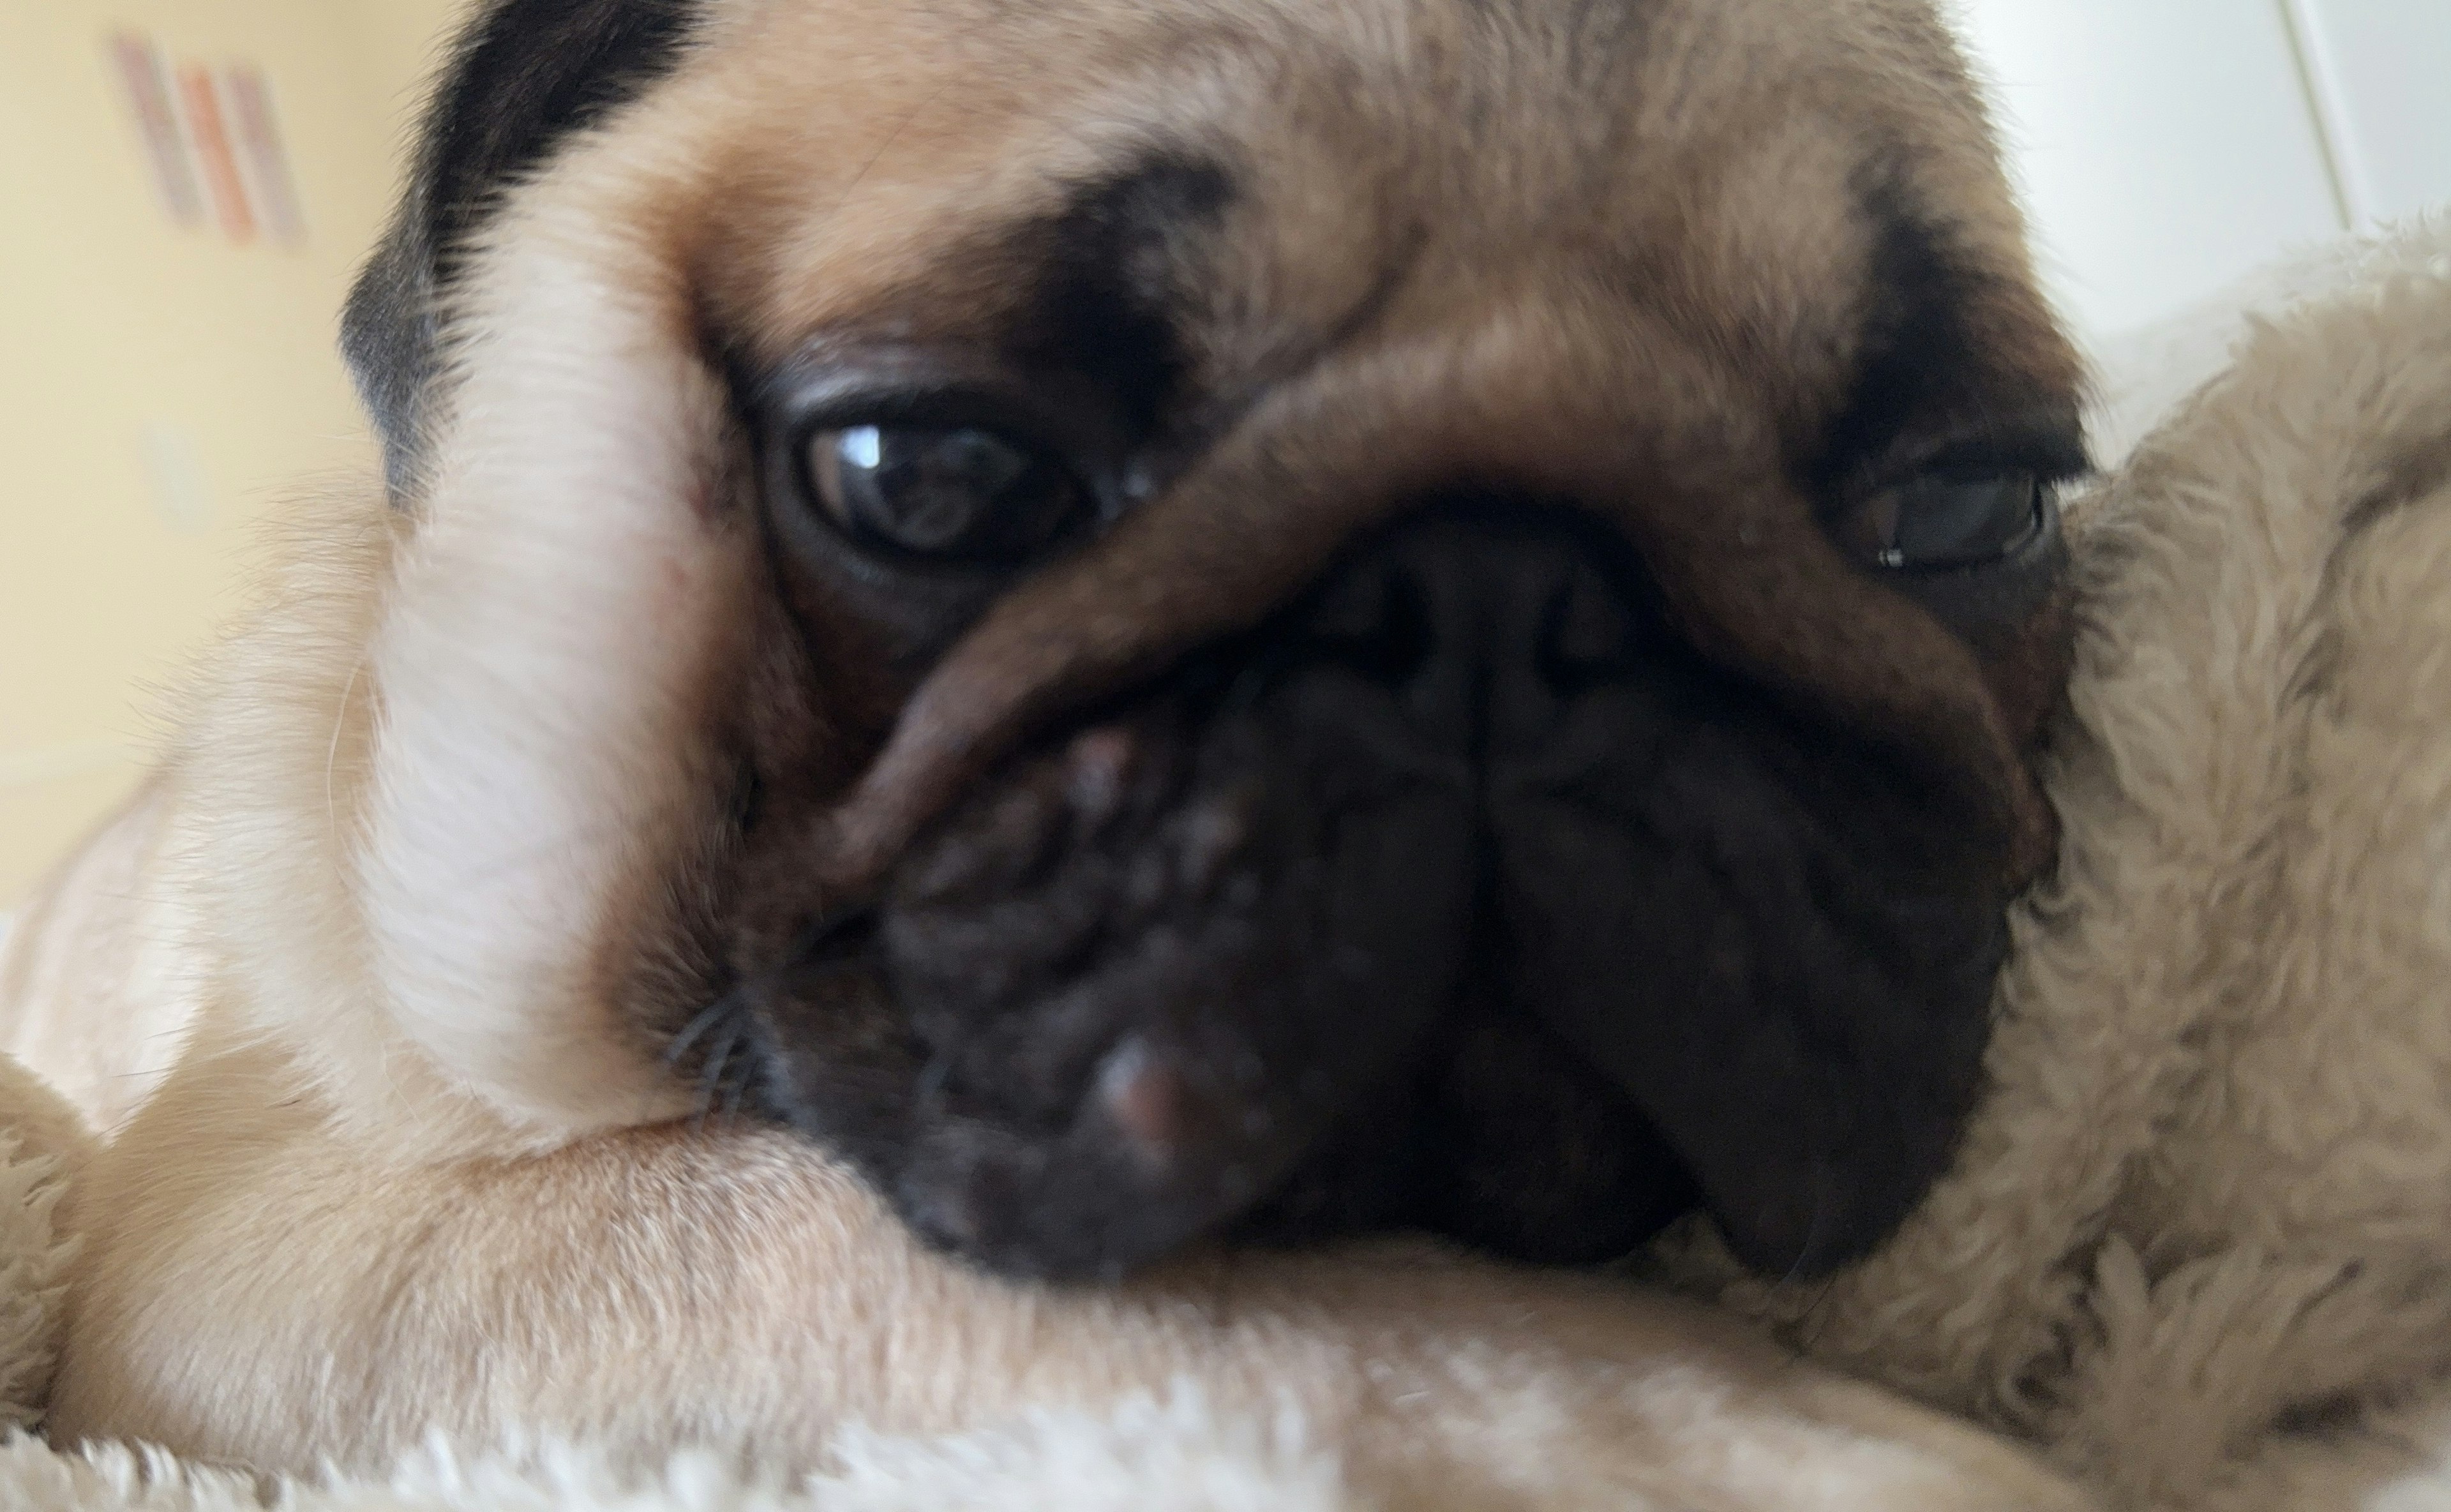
[(1486, 625)]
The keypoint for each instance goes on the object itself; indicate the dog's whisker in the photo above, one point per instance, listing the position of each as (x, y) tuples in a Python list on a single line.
[(1818, 1184), (736, 1087), (730, 1003), (719, 1063), (933, 1077), (1817, 1315)]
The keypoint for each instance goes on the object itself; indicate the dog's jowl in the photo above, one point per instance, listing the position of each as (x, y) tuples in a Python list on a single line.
[(1241, 620)]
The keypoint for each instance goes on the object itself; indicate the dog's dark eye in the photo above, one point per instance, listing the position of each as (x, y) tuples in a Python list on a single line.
[(1944, 521), (938, 491)]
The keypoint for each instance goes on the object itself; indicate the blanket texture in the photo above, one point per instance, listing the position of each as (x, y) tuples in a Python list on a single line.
[(2198, 1243)]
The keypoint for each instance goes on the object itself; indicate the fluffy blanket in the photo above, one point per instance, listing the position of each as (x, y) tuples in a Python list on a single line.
[(2198, 1243)]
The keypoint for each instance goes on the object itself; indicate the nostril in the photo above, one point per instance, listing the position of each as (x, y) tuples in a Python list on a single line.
[(1587, 633), (1375, 620)]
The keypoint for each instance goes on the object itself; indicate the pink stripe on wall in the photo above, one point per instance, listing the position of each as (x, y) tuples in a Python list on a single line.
[(144, 81)]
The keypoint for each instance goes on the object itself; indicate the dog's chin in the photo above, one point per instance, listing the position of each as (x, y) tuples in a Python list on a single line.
[(1304, 942)]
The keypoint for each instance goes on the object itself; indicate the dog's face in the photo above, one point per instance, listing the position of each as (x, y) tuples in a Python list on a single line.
[(1222, 616)]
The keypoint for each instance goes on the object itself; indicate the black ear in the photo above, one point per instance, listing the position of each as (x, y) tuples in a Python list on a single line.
[(523, 77)]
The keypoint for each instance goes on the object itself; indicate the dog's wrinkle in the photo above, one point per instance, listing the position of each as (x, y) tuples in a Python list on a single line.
[(1210, 874)]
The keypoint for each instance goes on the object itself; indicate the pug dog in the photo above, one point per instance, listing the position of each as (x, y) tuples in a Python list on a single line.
[(1157, 628)]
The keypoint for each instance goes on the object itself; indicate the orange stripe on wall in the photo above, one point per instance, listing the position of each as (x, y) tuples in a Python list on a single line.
[(213, 154), (268, 157)]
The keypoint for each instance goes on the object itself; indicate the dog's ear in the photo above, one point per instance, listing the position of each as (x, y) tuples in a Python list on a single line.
[(523, 77)]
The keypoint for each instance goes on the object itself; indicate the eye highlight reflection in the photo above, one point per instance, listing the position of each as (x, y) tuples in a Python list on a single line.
[(1941, 521), (955, 493)]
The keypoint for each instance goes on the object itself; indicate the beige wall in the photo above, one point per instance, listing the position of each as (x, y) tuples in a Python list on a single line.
[(147, 364), (395, 38)]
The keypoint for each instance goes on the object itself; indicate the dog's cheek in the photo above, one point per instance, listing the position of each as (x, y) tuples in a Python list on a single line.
[(1803, 1024), (2031, 673), (543, 669)]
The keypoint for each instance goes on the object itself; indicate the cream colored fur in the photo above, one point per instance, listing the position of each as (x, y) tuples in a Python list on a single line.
[(43, 1147), (1145, 1458), (528, 759)]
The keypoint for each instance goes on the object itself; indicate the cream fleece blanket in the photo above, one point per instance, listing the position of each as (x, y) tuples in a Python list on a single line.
[(2198, 1243)]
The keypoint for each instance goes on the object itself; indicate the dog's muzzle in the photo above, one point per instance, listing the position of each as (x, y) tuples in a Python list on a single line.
[(1434, 902)]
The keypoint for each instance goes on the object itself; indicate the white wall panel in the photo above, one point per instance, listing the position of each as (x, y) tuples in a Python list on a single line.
[(2164, 148), (2384, 67)]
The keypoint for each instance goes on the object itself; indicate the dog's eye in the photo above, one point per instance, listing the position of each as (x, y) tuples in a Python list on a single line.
[(1943, 521), (936, 491)]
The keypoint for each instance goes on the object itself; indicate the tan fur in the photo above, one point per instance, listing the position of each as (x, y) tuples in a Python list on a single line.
[(105, 1026), (414, 1167)]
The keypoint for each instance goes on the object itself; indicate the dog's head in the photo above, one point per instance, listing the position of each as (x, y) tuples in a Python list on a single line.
[(1151, 618)]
